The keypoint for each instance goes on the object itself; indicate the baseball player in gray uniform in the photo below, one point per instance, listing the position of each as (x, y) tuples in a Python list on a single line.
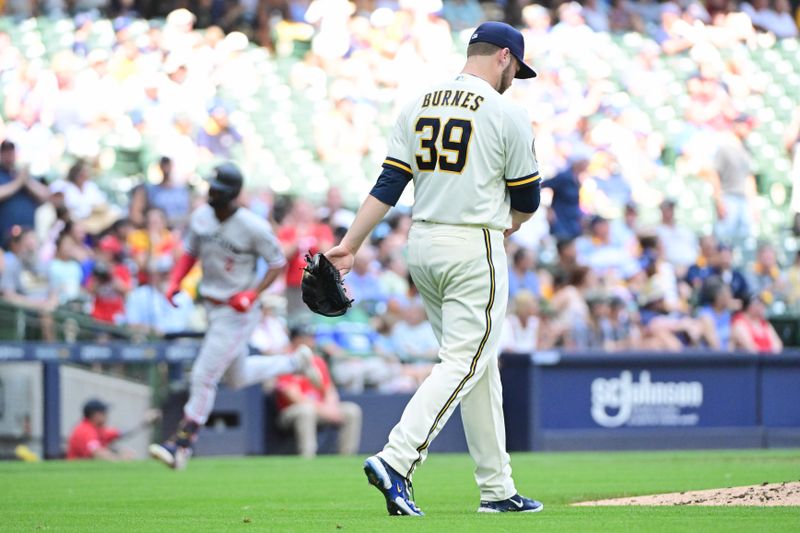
[(470, 154), (228, 240)]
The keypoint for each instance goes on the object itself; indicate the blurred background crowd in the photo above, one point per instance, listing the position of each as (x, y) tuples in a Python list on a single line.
[(667, 134)]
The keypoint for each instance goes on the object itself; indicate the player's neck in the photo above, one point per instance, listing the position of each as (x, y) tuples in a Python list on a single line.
[(476, 71), (479, 74), (225, 213)]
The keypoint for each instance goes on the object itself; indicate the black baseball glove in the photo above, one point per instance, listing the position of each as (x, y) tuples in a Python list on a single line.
[(322, 288)]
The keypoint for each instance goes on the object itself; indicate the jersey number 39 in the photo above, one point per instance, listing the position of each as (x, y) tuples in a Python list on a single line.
[(454, 144)]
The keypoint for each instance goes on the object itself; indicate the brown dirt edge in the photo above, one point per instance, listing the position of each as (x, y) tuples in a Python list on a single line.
[(764, 495)]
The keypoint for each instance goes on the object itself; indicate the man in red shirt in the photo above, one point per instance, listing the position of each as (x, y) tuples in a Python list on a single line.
[(110, 281), (300, 234), (92, 439), (302, 406)]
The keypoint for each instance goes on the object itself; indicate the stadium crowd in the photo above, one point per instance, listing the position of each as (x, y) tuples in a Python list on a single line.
[(616, 261)]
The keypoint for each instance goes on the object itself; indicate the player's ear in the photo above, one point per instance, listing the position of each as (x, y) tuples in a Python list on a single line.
[(506, 57)]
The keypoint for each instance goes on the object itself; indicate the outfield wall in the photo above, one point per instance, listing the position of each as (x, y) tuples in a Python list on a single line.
[(591, 401), (553, 401)]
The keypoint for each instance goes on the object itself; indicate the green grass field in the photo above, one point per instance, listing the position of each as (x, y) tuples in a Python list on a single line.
[(331, 494)]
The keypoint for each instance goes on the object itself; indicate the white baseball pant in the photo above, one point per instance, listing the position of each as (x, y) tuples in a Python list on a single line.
[(224, 355), (462, 275)]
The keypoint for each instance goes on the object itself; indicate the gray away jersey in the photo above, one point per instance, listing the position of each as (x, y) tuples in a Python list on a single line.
[(465, 146), (228, 251)]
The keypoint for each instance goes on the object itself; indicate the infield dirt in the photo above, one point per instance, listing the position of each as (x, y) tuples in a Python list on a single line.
[(766, 495)]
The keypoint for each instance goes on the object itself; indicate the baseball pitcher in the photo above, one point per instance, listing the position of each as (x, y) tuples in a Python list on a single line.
[(470, 154)]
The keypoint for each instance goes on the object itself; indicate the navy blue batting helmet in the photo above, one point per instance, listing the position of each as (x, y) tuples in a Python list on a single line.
[(226, 181)]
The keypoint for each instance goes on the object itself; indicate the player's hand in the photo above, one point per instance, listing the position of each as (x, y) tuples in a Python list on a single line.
[(342, 258), (243, 301), (514, 227), (172, 290)]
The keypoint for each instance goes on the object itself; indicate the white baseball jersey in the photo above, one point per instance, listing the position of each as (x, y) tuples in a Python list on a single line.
[(228, 251), (465, 146)]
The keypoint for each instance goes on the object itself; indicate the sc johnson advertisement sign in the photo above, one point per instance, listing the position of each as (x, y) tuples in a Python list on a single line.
[(630, 401)]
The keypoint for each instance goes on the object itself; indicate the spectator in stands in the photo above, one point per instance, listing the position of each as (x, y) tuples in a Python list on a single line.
[(623, 332), (781, 23), (569, 290), (147, 309), (334, 213), (462, 14), (759, 13), (571, 27), (565, 215), (716, 310), (704, 263), (765, 274), (64, 273), (793, 282), (660, 272), (624, 230), (621, 19), (733, 277), (734, 184), (81, 195), (710, 104), (300, 234), (680, 244), (597, 251), (567, 259), (673, 34), (668, 330), (595, 15), (349, 341), (21, 282), (92, 438), (394, 276), (82, 250), (154, 242), (537, 25), (413, 337), (110, 282), (28, 119), (362, 282), (302, 407), (271, 335), (776, 19), (395, 241), (593, 333), (521, 327), (173, 199), (20, 194), (522, 273), (218, 137), (751, 332)]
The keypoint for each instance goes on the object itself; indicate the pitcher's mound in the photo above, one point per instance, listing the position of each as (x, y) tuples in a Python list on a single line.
[(766, 494)]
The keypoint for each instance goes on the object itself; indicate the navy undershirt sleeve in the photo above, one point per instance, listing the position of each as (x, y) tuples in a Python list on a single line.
[(526, 199), (390, 185)]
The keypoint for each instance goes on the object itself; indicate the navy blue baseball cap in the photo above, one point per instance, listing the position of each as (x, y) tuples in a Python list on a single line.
[(505, 36), (94, 406)]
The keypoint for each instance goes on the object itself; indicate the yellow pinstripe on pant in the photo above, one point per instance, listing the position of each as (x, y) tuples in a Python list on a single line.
[(462, 276)]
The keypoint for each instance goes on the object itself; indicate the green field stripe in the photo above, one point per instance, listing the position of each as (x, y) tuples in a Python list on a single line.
[(331, 494)]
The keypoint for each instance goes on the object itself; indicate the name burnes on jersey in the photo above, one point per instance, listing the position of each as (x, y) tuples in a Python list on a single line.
[(463, 99)]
